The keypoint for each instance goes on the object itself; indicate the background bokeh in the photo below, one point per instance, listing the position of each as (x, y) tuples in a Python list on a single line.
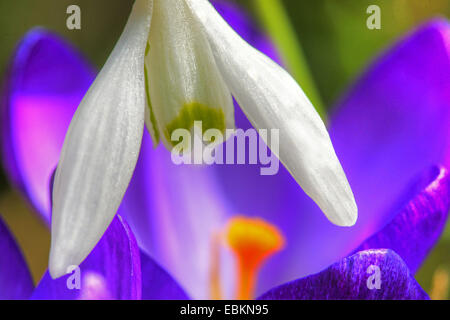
[(333, 34)]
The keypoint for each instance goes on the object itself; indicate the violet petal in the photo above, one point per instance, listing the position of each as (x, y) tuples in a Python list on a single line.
[(174, 212), (15, 278), (418, 225), (157, 284), (391, 126), (47, 80), (111, 271), (355, 278)]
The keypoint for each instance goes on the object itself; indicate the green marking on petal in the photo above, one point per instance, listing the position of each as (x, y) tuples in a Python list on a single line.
[(147, 49), (211, 118), (149, 103)]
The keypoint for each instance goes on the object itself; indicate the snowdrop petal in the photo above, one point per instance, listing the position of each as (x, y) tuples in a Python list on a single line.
[(271, 99), (101, 148), (184, 84)]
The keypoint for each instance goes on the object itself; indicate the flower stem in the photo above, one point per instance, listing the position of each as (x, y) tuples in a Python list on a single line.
[(275, 20)]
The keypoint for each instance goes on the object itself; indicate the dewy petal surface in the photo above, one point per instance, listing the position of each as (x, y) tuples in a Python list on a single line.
[(348, 279), (273, 100), (419, 223), (15, 278), (101, 148), (46, 81), (184, 82), (114, 263)]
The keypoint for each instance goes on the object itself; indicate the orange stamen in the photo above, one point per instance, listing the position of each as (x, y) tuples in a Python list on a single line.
[(253, 241), (216, 288)]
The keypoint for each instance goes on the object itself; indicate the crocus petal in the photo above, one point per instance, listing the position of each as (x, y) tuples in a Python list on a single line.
[(394, 122), (101, 148), (111, 271), (184, 83), (47, 80), (355, 277), (271, 99), (174, 212), (157, 284), (413, 232), (15, 278), (401, 131)]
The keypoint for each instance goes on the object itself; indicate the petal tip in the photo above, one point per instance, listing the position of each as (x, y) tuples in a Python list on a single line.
[(343, 214), (348, 219), (437, 27), (59, 263), (352, 215), (440, 24), (56, 268)]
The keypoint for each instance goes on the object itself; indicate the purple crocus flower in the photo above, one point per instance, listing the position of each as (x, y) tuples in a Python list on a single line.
[(39, 102), (115, 269), (394, 129), (382, 134)]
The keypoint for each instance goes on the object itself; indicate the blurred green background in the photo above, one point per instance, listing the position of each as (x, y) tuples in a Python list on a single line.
[(337, 46)]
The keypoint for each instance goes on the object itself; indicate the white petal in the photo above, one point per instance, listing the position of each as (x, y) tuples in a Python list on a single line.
[(272, 99), (184, 82), (150, 120), (101, 148)]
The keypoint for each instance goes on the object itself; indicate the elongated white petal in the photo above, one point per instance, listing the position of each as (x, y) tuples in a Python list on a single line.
[(271, 99), (101, 148), (184, 82)]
